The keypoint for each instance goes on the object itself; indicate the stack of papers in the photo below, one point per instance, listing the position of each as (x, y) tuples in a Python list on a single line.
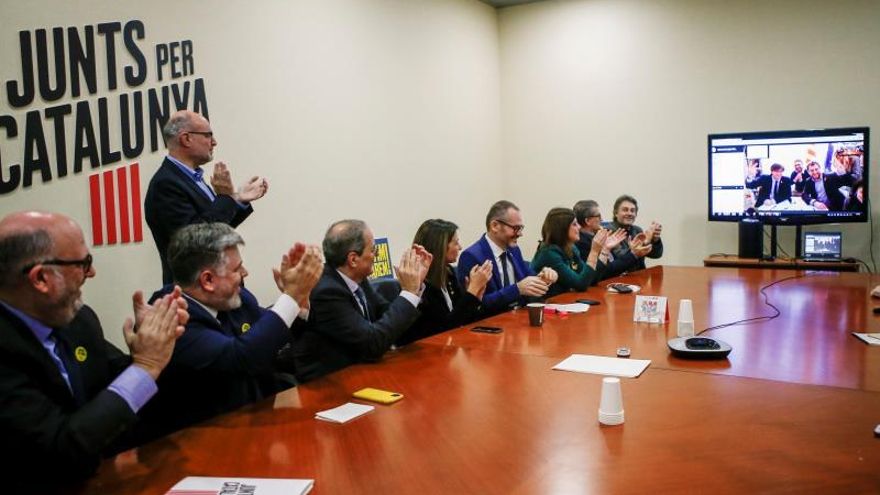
[(199, 485), (868, 338), (602, 365), (344, 413), (569, 308)]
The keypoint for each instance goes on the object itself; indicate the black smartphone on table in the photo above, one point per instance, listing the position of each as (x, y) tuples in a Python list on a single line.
[(483, 329)]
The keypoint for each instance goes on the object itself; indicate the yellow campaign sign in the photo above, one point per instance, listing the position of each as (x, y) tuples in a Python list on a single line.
[(382, 260)]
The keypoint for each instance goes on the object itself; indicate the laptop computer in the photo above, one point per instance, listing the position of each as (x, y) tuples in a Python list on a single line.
[(823, 246)]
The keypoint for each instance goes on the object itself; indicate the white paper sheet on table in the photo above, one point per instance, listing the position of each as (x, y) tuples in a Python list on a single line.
[(603, 365), (344, 413), (570, 308), (868, 338), (193, 485)]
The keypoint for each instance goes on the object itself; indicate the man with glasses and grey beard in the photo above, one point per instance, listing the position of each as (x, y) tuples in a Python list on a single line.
[(67, 396), (513, 281), (226, 357), (178, 195)]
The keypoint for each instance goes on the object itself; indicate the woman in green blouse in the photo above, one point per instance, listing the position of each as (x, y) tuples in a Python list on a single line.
[(557, 251)]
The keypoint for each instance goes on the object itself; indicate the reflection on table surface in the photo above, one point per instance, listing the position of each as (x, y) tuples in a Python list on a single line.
[(792, 410)]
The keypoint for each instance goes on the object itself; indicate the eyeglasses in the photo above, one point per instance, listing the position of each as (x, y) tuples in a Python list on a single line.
[(516, 228), (207, 134), (85, 264)]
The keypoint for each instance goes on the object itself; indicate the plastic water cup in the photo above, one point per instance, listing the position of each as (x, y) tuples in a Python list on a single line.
[(685, 318), (611, 403)]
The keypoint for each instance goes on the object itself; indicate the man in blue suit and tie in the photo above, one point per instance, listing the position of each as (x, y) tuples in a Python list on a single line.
[(178, 195), (226, 357), (512, 278)]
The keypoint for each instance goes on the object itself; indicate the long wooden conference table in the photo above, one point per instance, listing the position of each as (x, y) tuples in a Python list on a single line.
[(791, 410)]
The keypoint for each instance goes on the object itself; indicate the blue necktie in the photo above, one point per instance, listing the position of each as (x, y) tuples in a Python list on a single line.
[(505, 277), (363, 302), (62, 350)]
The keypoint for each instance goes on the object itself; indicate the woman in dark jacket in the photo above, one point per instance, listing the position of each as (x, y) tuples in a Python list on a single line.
[(445, 304)]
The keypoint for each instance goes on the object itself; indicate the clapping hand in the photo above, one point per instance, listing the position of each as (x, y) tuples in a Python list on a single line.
[(221, 180), (639, 245), (533, 286), (299, 272), (425, 260), (158, 327), (548, 275), (478, 279), (599, 240), (411, 271), (252, 190), (656, 229), (614, 239), (141, 308)]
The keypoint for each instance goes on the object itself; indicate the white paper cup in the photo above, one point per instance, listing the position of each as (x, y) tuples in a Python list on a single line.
[(611, 403), (686, 310), (610, 419), (685, 328), (685, 318)]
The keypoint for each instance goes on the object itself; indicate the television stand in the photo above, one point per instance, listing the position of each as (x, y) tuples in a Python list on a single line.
[(731, 261), (798, 242)]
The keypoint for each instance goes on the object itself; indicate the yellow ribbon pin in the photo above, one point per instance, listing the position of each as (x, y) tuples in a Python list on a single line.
[(245, 327), (81, 354)]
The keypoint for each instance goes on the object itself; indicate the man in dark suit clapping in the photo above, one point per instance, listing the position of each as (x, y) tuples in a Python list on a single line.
[(178, 195), (349, 322), (226, 357), (66, 394)]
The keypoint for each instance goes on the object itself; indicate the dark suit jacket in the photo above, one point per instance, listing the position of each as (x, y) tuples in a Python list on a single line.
[(799, 186), (337, 334), (46, 436), (833, 183), (436, 316), (622, 249), (496, 298), (216, 367), (617, 266), (765, 183), (174, 201)]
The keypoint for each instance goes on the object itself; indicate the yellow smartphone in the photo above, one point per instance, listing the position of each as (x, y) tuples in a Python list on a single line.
[(376, 395)]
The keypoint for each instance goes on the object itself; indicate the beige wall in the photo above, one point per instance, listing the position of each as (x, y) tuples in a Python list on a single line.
[(385, 110), (603, 97), (399, 110)]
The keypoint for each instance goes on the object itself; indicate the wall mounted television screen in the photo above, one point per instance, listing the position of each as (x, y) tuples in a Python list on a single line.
[(790, 177)]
